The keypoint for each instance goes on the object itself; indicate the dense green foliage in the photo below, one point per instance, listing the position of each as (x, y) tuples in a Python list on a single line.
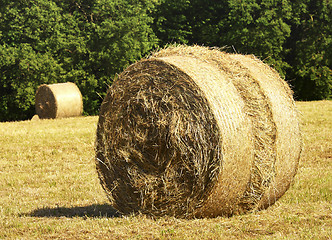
[(292, 36), (89, 41), (310, 49), (86, 42)]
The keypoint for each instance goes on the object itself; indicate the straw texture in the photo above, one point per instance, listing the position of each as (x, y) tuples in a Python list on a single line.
[(58, 101), (193, 131)]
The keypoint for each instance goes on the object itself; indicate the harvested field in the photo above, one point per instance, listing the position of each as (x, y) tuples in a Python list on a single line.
[(49, 189)]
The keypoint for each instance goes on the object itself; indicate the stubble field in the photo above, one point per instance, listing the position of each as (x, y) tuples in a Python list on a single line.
[(49, 189)]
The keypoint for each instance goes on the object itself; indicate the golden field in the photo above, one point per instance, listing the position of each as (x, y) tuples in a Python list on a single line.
[(49, 189)]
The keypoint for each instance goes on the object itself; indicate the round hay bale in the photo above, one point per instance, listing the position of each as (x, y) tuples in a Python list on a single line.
[(196, 132), (58, 100), (35, 118)]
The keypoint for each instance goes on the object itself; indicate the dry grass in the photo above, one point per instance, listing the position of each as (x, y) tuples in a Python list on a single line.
[(49, 189)]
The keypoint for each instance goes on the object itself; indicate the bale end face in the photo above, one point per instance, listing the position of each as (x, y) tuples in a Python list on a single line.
[(164, 141)]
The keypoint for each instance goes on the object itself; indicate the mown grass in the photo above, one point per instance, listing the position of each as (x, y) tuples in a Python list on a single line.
[(49, 189)]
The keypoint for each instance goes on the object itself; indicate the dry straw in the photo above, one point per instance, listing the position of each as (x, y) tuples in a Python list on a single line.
[(196, 132), (35, 118), (58, 101)]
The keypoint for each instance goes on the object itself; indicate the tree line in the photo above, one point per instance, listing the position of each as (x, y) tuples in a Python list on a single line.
[(88, 42)]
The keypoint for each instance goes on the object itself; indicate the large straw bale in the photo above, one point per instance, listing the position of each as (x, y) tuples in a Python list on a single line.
[(58, 100), (193, 131)]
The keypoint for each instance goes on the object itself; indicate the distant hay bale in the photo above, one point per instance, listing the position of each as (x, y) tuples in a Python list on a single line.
[(196, 132), (58, 100), (35, 118)]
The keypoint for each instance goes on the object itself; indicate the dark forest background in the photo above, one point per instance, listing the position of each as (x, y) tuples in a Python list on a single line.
[(88, 42)]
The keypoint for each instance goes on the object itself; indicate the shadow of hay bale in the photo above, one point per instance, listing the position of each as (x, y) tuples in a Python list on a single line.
[(95, 210)]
